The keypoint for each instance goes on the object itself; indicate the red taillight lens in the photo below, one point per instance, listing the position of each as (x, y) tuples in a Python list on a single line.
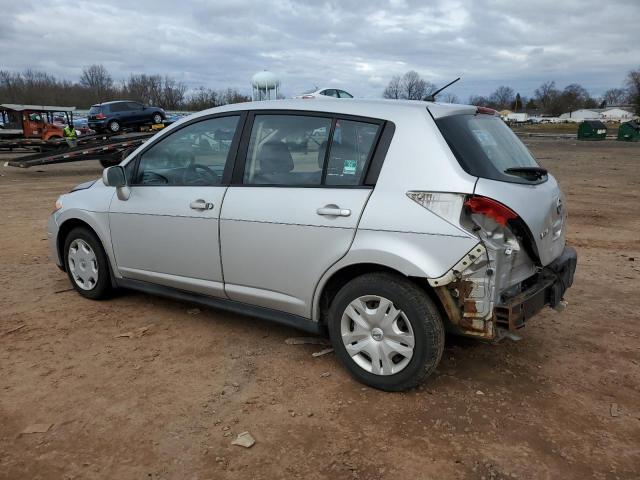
[(308, 97), (485, 110), (100, 116), (490, 208)]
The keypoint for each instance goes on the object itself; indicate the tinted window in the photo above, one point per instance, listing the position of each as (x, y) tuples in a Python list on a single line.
[(485, 146), (344, 94), (351, 147), (330, 93), (118, 107), (193, 155), (134, 106), (286, 150), (94, 110)]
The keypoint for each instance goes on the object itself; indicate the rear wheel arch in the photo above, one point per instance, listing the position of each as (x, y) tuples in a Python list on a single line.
[(344, 275)]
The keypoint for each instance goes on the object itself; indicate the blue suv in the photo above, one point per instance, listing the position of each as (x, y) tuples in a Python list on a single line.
[(113, 116)]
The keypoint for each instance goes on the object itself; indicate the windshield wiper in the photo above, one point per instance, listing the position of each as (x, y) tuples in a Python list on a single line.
[(536, 172)]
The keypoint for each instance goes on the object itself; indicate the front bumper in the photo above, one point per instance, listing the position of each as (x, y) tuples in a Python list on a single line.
[(546, 288), (52, 238)]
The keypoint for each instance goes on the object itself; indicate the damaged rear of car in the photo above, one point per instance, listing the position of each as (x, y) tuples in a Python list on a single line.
[(521, 263)]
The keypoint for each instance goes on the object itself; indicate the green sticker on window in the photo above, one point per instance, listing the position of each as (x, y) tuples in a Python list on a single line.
[(349, 167)]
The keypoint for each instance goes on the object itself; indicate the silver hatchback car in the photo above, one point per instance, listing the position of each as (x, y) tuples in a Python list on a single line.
[(384, 222)]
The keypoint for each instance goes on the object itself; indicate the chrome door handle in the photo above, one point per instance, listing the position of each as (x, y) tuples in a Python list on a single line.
[(333, 211), (201, 205)]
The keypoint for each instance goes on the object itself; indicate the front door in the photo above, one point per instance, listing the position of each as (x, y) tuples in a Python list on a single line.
[(294, 207), (166, 232)]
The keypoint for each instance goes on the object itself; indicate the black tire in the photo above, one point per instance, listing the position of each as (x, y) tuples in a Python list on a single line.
[(113, 126), (102, 288), (420, 311), (156, 118)]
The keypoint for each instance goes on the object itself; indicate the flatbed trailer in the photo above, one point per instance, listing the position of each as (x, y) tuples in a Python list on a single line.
[(109, 150)]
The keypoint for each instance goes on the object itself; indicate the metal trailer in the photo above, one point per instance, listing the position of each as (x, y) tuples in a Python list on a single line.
[(109, 151)]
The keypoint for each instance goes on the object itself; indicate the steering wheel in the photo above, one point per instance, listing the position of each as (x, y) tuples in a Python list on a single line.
[(196, 174)]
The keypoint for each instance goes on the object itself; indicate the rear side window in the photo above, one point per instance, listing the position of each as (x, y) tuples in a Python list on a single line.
[(351, 147), (330, 93), (486, 147), (286, 150), (119, 107)]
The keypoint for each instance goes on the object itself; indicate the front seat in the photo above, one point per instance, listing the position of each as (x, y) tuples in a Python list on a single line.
[(275, 163)]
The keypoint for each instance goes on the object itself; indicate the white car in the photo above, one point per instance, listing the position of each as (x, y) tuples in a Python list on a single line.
[(325, 92)]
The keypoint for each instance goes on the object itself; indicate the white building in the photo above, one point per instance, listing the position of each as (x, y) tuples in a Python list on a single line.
[(617, 114), (580, 115)]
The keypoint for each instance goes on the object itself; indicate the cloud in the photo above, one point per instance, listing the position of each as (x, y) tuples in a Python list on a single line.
[(357, 45)]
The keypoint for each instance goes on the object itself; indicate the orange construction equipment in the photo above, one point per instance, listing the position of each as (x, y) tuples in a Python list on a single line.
[(43, 122)]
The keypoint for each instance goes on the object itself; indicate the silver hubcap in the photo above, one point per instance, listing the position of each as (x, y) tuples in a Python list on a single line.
[(115, 126), (377, 335), (83, 264), (157, 119)]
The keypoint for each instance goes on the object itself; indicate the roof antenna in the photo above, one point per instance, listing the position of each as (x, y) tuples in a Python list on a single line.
[(432, 97)]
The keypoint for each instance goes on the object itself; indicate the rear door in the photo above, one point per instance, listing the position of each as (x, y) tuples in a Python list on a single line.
[(166, 232), (294, 205)]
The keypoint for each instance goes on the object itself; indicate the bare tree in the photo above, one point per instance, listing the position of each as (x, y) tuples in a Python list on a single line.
[(412, 86), (97, 79), (408, 87), (479, 101), (502, 97), (393, 89), (448, 98), (633, 88), (545, 95), (614, 96)]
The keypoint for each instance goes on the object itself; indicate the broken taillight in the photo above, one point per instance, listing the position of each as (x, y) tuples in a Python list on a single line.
[(490, 208)]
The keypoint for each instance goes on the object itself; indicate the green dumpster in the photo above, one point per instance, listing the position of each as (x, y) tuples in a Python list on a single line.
[(629, 131), (592, 130)]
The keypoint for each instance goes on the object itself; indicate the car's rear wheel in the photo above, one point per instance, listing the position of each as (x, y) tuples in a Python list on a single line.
[(386, 331), (157, 118), (114, 126), (86, 264)]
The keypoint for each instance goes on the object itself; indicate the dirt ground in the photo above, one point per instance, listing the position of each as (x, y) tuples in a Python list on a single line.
[(564, 402)]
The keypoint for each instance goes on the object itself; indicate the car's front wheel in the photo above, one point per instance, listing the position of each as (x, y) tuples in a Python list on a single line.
[(157, 118), (86, 264), (386, 331)]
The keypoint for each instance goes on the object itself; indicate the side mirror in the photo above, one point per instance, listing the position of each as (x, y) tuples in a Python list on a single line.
[(114, 177)]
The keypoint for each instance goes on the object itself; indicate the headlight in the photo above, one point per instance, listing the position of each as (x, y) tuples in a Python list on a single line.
[(58, 205)]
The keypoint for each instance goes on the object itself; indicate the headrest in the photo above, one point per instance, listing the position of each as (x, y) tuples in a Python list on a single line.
[(275, 157)]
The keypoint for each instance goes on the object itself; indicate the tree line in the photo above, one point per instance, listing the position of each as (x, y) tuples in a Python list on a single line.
[(547, 99), (96, 85)]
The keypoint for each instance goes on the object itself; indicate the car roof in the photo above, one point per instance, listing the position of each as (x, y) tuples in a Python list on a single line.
[(374, 108), (113, 101)]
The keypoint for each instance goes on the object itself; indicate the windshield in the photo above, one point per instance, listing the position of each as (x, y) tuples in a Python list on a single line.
[(486, 147), (94, 110)]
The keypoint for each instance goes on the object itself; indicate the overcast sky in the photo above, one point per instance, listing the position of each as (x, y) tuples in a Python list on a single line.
[(357, 45)]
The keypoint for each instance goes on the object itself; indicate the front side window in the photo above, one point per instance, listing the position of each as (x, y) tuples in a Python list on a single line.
[(351, 147), (193, 155), (344, 94), (286, 150)]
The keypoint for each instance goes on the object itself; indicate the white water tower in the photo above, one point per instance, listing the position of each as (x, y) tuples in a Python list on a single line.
[(264, 86)]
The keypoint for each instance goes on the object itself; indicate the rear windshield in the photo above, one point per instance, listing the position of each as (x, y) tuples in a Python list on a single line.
[(485, 146), (95, 110)]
